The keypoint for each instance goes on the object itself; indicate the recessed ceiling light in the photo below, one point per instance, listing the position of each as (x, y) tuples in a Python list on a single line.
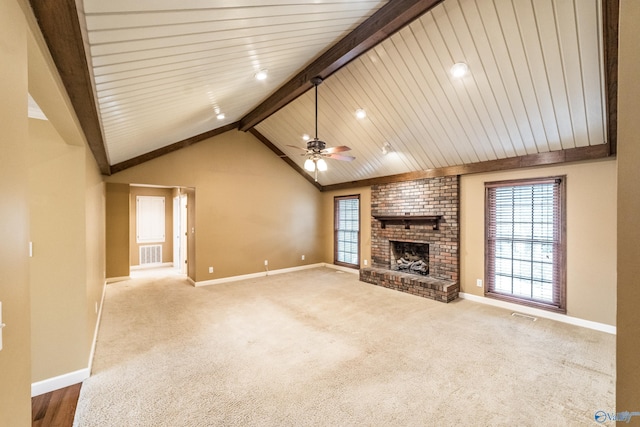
[(360, 113), (261, 75), (459, 69), (305, 137), (220, 116), (386, 147)]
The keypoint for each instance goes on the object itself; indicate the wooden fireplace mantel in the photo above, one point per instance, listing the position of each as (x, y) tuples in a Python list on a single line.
[(408, 219)]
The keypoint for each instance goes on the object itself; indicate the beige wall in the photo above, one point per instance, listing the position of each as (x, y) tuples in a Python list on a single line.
[(260, 186), (591, 234), (95, 268), (628, 339), (251, 206), (167, 245), (365, 223), (117, 230), (57, 269), (67, 214), (53, 196), (15, 369)]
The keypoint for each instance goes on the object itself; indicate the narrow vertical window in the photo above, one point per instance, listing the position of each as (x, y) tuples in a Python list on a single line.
[(347, 231), (150, 219), (525, 242)]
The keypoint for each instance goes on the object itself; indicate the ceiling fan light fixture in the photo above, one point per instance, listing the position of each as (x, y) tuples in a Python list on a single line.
[(316, 149), (310, 165), (459, 70)]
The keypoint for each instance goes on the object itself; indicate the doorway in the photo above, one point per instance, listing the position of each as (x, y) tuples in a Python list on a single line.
[(180, 233)]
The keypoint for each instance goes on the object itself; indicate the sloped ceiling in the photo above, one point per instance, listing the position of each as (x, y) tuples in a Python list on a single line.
[(540, 89), (535, 85), (164, 70)]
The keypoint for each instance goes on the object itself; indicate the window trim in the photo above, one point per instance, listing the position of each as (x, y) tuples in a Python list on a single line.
[(561, 253), (335, 230), (146, 205)]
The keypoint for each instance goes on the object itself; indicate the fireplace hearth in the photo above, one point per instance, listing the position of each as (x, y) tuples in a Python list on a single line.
[(415, 237)]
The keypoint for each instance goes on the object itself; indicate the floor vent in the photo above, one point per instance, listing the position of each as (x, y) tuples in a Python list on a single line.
[(150, 254), (524, 316)]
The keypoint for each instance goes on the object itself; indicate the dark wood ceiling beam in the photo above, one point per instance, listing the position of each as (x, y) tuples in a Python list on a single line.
[(386, 21), (58, 21), (531, 160), (610, 16), (118, 167), (284, 157)]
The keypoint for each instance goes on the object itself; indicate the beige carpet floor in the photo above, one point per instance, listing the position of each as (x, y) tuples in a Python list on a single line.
[(319, 348)]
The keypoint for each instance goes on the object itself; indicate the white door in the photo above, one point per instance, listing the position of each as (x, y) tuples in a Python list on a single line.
[(177, 231), (183, 233)]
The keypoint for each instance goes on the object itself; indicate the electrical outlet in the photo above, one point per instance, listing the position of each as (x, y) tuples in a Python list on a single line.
[(479, 283), (266, 262), (302, 257), (366, 262), (210, 270)]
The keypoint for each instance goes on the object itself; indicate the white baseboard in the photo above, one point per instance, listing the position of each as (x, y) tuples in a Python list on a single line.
[(292, 269), (118, 279), (61, 381), (256, 275), (149, 266), (602, 327), (71, 378), (229, 279), (95, 331), (345, 269)]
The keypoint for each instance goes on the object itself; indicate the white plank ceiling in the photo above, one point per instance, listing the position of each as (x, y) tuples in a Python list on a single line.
[(535, 85), (164, 69)]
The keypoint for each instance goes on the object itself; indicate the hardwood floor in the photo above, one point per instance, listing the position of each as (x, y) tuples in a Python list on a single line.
[(55, 409)]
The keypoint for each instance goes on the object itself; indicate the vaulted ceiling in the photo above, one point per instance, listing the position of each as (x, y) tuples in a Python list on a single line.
[(152, 76)]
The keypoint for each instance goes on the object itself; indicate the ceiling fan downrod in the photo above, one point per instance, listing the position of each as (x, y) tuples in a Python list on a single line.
[(316, 81)]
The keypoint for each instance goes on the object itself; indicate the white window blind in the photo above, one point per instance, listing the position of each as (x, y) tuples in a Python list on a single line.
[(525, 248), (150, 219), (347, 230)]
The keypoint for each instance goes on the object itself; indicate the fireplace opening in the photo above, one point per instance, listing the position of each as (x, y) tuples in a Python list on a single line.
[(410, 257)]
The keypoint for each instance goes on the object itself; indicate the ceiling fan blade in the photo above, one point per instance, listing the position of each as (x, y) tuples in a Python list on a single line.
[(331, 150), (295, 146), (340, 157)]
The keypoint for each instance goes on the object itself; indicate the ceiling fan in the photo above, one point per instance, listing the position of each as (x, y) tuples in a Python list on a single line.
[(317, 150)]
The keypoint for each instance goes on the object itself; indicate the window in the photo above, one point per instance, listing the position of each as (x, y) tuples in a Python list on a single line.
[(525, 242), (149, 219), (347, 230)]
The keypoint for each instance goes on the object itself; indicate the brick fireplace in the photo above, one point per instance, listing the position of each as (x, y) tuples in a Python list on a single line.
[(420, 218)]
